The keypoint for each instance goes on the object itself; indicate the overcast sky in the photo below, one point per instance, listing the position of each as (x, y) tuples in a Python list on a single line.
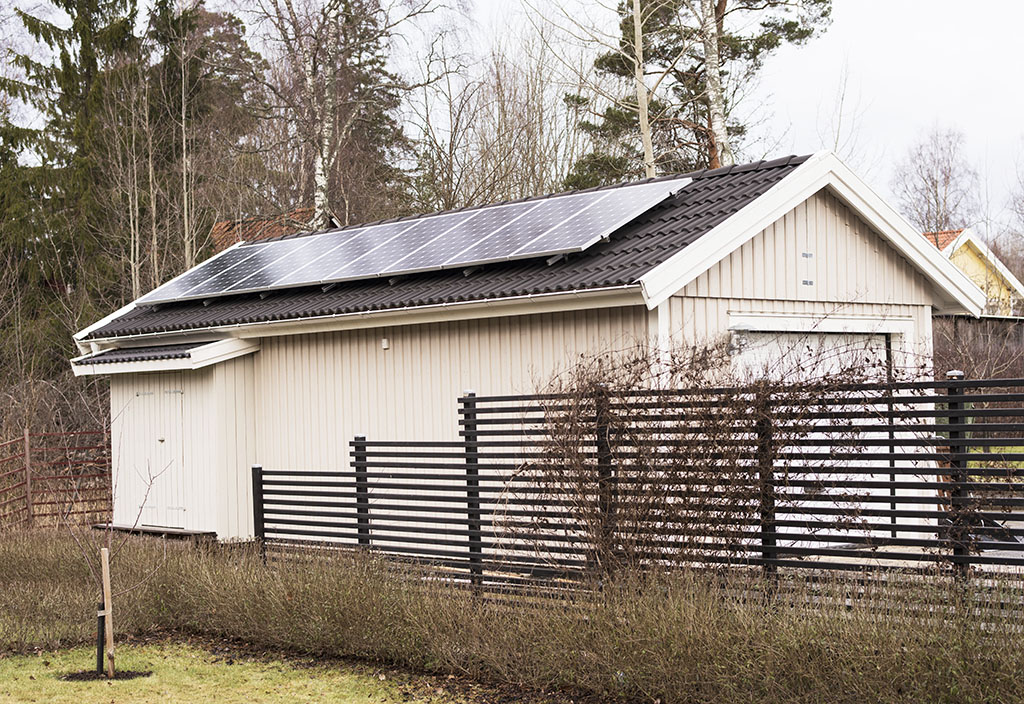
[(910, 64)]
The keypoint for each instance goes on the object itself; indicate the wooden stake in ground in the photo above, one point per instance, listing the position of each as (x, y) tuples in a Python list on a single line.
[(108, 609)]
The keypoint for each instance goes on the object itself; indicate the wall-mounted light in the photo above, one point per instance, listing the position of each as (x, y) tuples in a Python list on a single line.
[(385, 343)]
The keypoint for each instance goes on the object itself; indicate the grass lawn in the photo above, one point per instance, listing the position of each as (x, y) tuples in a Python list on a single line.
[(184, 673)]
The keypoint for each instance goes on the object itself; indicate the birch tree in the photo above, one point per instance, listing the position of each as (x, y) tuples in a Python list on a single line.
[(686, 64), (935, 186), (336, 53)]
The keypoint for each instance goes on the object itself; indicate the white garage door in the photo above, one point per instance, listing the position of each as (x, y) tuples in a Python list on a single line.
[(788, 355)]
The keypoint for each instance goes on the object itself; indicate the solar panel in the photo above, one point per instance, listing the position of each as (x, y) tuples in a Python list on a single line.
[(497, 246), (265, 258), (177, 287), (536, 228), (487, 222), (287, 256), (595, 222), (394, 249), (317, 269)]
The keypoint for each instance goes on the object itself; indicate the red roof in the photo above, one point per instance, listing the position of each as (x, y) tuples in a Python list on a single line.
[(227, 232), (942, 238)]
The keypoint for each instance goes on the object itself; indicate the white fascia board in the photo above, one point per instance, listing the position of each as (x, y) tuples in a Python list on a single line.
[(968, 237), (88, 347), (199, 357), (149, 365), (530, 304), (824, 323), (221, 351), (822, 170)]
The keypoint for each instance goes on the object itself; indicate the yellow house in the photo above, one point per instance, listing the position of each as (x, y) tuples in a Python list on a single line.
[(1004, 293)]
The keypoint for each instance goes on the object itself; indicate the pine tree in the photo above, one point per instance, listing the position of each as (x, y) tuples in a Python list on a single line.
[(682, 124)]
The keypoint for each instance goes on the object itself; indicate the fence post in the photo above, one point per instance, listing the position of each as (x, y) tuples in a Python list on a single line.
[(471, 442), (766, 486), (960, 497), (28, 478), (362, 490), (101, 637), (605, 476), (258, 527)]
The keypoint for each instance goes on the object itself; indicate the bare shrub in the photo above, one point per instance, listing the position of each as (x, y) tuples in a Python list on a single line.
[(655, 459), (688, 636)]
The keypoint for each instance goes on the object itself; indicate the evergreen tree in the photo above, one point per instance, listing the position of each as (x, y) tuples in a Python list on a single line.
[(748, 32)]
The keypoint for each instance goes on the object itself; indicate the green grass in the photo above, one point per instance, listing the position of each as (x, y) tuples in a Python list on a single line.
[(183, 673)]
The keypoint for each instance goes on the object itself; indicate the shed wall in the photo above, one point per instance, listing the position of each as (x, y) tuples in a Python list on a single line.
[(162, 429), (315, 392), (206, 421)]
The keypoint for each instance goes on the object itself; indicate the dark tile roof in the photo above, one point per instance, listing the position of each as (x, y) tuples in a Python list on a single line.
[(142, 354), (630, 252)]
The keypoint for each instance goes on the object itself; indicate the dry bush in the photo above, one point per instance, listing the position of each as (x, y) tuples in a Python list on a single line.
[(688, 636), (662, 459), (982, 349)]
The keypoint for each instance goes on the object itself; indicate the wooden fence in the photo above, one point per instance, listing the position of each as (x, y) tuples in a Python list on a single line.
[(923, 476), (53, 478)]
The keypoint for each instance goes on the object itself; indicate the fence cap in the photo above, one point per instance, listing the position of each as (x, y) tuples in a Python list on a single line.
[(954, 375)]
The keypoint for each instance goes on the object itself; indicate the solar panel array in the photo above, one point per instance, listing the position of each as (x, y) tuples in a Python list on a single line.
[(538, 228)]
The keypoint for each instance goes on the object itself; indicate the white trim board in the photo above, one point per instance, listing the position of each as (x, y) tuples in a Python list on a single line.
[(810, 323), (532, 304), (823, 170), (197, 358)]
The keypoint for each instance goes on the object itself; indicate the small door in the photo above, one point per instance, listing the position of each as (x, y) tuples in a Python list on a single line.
[(157, 425)]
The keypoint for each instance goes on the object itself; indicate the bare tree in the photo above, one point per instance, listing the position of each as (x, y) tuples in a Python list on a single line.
[(935, 186), (328, 54), (497, 128)]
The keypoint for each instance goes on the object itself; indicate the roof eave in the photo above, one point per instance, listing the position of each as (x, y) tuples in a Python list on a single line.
[(822, 170), (527, 304)]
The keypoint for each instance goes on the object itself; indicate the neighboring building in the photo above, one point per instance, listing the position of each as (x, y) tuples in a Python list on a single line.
[(279, 353), (227, 233), (1004, 293)]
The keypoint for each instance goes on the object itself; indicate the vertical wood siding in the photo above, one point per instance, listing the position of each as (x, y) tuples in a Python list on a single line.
[(315, 392), (850, 263), (852, 271)]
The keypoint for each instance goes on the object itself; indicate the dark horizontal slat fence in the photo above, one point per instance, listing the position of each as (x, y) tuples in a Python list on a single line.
[(911, 476)]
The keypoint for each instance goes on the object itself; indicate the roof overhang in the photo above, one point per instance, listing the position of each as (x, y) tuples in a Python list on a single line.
[(956, 293), (203, 354), (528, 304)]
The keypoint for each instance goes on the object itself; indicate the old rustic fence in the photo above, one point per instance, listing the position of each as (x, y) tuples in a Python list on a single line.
[(53, 478), (922, 476)]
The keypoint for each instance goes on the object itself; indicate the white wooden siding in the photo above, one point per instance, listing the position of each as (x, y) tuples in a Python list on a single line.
[(850, 262), (315, 392), (853, 271)]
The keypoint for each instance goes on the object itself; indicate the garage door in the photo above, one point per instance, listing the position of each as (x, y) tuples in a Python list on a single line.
[(787, 355)]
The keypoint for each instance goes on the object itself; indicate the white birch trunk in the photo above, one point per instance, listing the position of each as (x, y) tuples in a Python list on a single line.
[(642, 96), (713, 83)]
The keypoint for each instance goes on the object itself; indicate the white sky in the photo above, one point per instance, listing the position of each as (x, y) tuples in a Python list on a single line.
[(910, 65)]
